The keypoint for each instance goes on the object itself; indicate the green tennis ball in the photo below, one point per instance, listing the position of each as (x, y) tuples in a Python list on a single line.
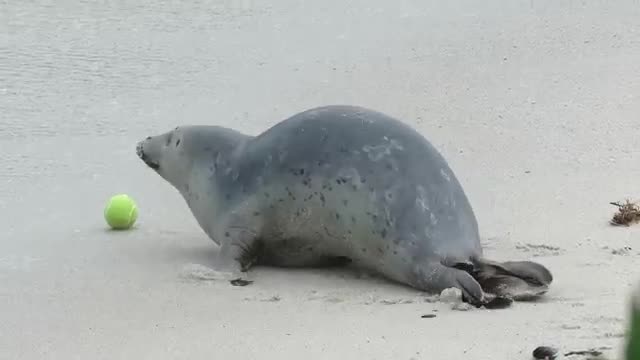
[(121, 212)]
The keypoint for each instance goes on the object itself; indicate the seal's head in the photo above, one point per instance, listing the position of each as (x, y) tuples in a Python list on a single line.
[(166, 154), (176, 153)]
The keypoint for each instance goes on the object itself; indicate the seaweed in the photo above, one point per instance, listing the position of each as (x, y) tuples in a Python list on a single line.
[(628, 213)]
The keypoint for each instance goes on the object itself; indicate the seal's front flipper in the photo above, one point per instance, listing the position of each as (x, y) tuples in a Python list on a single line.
[(213, 273), (519, 280), (238, 251), (230, 265)]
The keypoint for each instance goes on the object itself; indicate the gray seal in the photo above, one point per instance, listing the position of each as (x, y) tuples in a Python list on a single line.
[(335, 185)]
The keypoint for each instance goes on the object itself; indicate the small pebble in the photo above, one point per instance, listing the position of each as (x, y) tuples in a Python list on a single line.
[(545, 353), (240, 282), (451, 295)]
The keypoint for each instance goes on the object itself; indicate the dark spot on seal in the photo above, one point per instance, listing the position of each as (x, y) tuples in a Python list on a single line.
[(389, 166), (322, 199), (178, 142), (383, 233), (363, 180), (226, 234), (267, 195), (281, 155), (326, 231), (353, 219), (256, 213), (345, 202), (297, 172), (327, 186), (337, 216), (290, 193), (227, 196), (364, 250)]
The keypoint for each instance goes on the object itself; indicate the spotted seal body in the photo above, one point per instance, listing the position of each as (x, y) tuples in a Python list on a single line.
[(332, 185)]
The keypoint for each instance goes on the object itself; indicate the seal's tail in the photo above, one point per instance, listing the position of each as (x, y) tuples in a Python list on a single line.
[(519, 280)]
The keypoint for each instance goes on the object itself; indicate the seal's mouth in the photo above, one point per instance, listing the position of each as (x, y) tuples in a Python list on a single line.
[(141, 154)]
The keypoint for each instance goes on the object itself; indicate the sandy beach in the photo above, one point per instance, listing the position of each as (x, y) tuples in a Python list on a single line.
[(535, 104)]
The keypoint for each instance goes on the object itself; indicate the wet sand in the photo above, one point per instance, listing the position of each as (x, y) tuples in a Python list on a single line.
[(534, 104)]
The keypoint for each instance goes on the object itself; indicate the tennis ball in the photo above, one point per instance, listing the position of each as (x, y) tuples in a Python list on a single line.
[(121, 212)]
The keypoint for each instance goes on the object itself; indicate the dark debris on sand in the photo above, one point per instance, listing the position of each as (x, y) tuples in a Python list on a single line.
[(627, 214)]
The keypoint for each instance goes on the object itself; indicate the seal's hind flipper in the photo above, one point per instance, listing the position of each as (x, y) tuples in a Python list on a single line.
[(434, 277), (519, 280)]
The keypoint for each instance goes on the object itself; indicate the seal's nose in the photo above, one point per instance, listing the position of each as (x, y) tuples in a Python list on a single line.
[(144, 157)]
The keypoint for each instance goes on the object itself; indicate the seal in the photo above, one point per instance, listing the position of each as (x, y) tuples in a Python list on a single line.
[(334, 185)]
